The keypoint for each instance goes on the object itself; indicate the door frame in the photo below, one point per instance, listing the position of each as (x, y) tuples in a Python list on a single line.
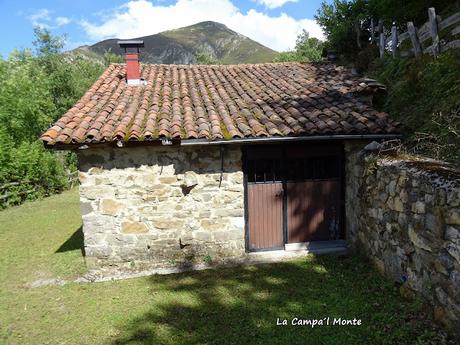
[(339, 146)]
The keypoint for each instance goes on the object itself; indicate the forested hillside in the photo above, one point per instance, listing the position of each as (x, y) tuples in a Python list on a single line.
[(37, 88), (422, 93)]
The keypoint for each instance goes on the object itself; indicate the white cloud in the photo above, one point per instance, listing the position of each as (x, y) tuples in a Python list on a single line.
[(60, 21), (39, 17), (274, 3), (141, 18), (42, 18)]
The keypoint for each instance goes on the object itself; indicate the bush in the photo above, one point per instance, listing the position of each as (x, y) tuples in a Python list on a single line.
[(28, 171)]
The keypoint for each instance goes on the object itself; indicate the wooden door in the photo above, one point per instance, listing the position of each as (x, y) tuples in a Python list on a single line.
[(265, 208), (313, 196), (312, 210), (264, 199)]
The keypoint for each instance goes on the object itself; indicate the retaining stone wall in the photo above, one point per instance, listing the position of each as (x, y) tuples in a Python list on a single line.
[(406, 217)]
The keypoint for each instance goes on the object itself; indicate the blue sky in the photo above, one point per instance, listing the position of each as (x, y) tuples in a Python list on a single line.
[(274, 23)]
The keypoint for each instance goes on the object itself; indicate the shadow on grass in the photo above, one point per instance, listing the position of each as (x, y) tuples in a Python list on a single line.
[(74, 242), (241, 306)]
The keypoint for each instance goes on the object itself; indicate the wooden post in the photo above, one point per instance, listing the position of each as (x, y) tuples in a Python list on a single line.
[(382, 44), (394, 40), (414, 38), (380, 28), (381, 38), (358, 35), (434, 30), (372, 30)]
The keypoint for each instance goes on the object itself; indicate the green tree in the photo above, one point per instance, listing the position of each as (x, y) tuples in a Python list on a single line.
[(341, 18), (400, 12), (26, 104), (68, 77), (45, 43), (306, 49), (35, 90), (338, 21)]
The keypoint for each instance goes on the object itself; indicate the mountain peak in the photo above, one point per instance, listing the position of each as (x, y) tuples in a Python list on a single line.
[(208, 27), (208, 23), (179, 46)]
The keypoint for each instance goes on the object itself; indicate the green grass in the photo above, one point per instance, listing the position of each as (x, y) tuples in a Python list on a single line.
[(424, 96), (227, 306)]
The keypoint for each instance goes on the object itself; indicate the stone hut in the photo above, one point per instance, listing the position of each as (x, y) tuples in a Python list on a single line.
[(181, 164)]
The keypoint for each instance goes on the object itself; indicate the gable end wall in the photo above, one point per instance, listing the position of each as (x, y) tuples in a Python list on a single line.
[(158, 207)]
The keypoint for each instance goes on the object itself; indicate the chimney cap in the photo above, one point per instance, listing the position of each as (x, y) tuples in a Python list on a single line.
[(130, 43)]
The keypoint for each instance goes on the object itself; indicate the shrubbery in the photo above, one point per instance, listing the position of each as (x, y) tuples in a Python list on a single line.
[(29, 171), (36, 90)]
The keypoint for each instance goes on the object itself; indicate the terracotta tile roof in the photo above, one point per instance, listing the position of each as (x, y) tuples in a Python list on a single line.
[(220, 102)]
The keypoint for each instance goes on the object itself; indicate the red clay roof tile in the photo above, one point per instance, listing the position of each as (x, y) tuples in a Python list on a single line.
[(220, 102)]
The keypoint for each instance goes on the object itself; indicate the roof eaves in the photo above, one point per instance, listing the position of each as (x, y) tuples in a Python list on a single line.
[(233, 141)]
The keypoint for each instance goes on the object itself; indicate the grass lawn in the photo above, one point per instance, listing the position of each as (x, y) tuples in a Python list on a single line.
[(42, 240)]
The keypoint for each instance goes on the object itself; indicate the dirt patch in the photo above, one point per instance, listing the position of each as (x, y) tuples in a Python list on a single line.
[(45, 282)]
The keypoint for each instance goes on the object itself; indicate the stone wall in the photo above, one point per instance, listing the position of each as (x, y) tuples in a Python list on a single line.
[(149, 207), (405, 215)]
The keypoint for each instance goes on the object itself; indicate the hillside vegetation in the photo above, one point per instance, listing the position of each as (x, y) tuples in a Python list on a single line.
[(36, 89), (423, 93)]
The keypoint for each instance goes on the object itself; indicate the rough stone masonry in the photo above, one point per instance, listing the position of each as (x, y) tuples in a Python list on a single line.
[(166, 207), (149, 207), (405, 215)]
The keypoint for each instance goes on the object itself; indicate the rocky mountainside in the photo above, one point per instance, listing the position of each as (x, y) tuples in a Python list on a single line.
[(180, 46)]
